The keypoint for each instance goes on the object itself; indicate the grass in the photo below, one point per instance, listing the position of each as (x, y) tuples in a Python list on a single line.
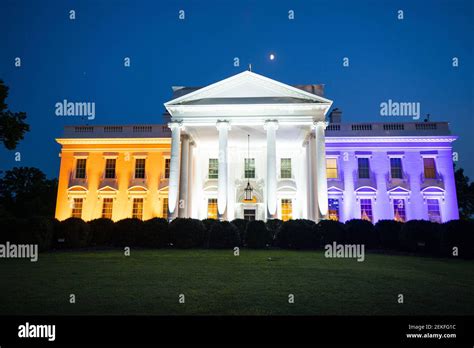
[(215, 282)]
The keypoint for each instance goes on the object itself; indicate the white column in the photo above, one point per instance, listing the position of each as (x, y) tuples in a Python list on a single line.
[(189, 205), (271, 179), (174, 169), (313, 177), (309, 180), (322, 184), (222, 189), (183, 180)]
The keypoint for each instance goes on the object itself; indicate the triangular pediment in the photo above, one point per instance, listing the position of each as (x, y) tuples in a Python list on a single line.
[(248, 88)]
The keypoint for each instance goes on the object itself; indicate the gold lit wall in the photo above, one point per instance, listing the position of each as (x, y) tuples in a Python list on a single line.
[(153, 189)]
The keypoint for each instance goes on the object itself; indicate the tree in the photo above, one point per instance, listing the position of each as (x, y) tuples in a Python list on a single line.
[(12, 124), (465, 194), (25, 191)]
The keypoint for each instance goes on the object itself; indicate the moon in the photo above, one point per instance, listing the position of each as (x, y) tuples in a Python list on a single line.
[(272, 56)]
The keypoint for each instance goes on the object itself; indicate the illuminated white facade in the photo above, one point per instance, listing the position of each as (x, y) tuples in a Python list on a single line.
[(286, 164), (249, 130)]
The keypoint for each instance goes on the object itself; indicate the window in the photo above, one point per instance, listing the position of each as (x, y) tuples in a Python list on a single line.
[(333, 212), (396, 168), (364, 169), (366, 209), (286, 209), (77, 208), (164, 211), (110, 168), (434, 214), (331, 168), (167, 168), (429, 168), (212, 208), (249, 214), (81, 168), (140, 168), (399, 211), (249, 168), (213, 168), (107, 205), (285, 168), (137, 210)]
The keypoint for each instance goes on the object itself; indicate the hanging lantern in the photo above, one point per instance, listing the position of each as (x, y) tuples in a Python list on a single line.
[(248, 189), (248, 192)]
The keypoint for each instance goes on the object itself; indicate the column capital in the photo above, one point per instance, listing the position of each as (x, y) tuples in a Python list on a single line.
[(185, 137), (270, 124), (175, 125), (316, 124), (223, 124)]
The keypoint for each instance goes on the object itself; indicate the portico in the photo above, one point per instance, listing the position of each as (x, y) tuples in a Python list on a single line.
[(209, 164)]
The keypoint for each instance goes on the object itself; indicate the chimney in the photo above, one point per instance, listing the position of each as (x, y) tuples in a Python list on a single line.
[(335, 116)]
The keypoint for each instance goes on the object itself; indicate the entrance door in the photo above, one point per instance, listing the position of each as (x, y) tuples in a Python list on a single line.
[(249, 214)]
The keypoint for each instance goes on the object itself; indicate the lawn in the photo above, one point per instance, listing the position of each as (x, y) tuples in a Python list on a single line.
[(217, 282)]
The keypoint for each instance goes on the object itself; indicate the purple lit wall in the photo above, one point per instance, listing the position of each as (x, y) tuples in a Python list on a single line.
[(413, 188)]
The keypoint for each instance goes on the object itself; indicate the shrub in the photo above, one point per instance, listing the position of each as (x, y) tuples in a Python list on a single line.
[(256, 235), (40, 231), (10, 229), (34, 230), (421, 236), (154, 234), (460, 234), (273, 225), (388, 232), (75, 233), (223, 235), (360, 231), (126, 232), (241, 225), (101, 231), (187, 233), (208, 223), (329, 231), (297, 234)]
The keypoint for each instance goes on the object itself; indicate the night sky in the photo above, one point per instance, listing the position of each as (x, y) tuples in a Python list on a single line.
[(407, 60)]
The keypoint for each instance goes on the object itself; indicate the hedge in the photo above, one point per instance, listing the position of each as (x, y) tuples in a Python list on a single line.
[(72, 233), (257, 235), (297, 234), (187, 233), (223, 234), (415, 236)]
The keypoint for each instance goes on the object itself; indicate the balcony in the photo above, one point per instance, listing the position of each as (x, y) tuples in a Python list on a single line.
[(73, 181), (437, 181), (138, 182), (118, 131), (108, 182), (388, 129)]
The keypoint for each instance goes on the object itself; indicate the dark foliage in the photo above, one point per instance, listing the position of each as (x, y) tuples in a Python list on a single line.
[(297, 234), (273, 226), (101, 232), (388, 232), (12, 124), (241, 225), (154, 233), (421, 236), (329, 231), (126, 232), (187, 233), (223, 234), (257, 235), (459, 234), (74, 232), (360, 231)]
